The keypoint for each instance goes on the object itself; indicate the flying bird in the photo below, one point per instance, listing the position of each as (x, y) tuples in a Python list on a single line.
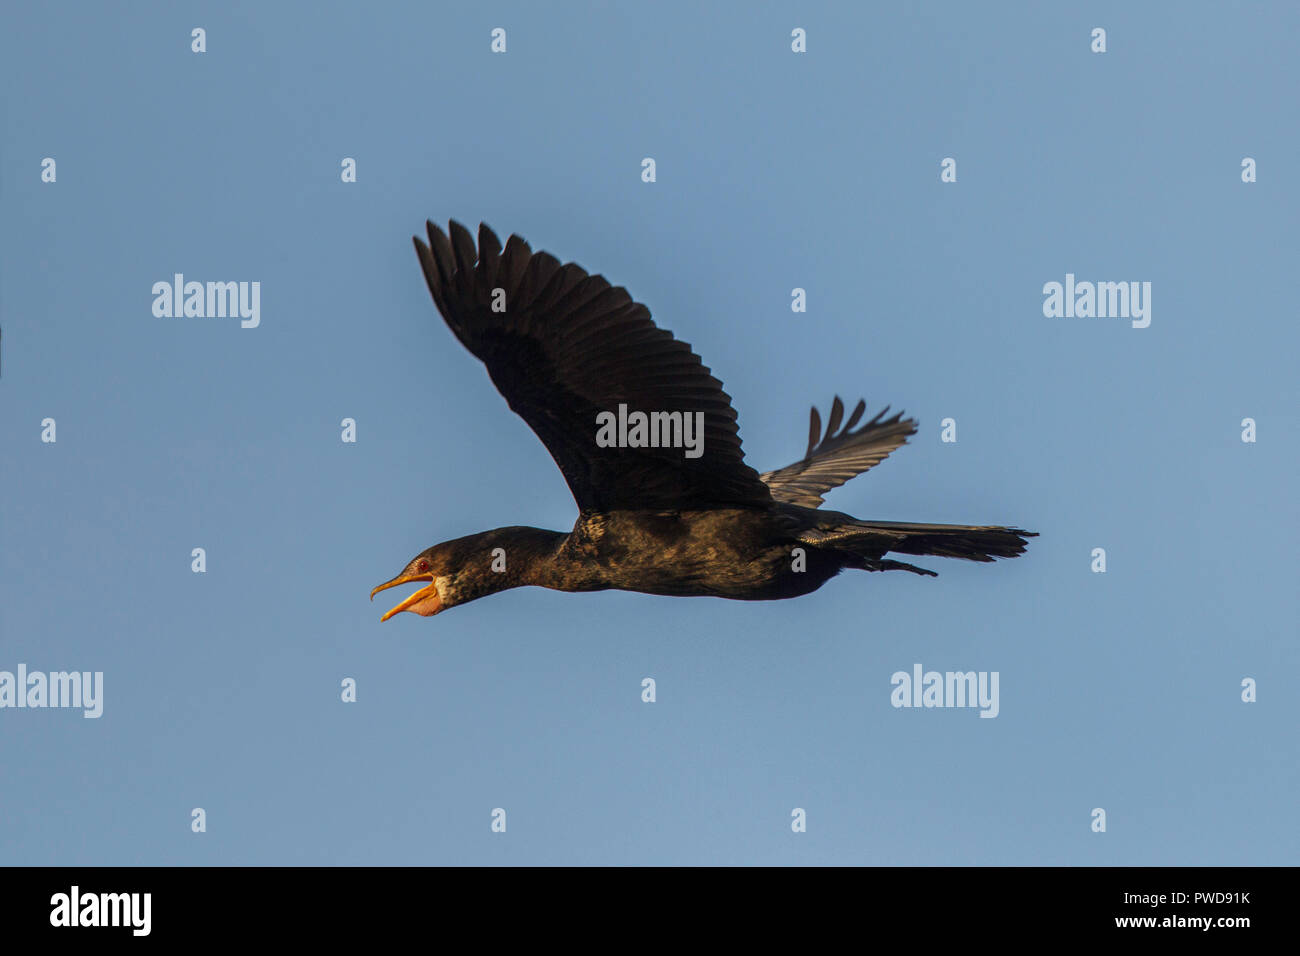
[(647, 440)]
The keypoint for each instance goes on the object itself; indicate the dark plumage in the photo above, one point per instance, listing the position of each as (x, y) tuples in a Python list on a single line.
[(564, 347)]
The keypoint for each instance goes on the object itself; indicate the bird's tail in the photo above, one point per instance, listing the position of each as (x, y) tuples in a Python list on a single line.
[(869, 541)]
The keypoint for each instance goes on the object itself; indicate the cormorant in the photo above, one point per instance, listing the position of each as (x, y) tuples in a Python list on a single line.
[(662, 508)]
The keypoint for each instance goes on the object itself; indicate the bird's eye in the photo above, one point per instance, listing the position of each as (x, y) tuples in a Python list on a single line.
[(423, 566)]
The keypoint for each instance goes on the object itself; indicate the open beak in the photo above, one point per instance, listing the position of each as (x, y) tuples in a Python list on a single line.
[(424, 602)]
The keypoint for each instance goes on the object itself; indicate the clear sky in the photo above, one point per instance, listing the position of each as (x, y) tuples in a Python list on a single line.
[(775, 170)]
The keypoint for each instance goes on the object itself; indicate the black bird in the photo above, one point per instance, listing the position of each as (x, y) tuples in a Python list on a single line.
[(577, 358)]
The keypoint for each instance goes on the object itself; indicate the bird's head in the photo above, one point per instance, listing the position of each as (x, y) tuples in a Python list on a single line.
[(468, 568), (438, 567)]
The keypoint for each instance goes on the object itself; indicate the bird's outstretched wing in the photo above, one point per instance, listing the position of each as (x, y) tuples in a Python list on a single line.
[(563, 347), (839, 454)]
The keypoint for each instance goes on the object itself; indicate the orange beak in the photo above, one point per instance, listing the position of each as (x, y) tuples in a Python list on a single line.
[(425, 602)]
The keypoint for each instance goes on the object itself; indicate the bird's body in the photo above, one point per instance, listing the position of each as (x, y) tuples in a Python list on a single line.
[(566, 349), (739, 553)]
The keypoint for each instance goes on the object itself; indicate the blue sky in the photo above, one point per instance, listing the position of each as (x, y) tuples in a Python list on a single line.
[(775, 170)]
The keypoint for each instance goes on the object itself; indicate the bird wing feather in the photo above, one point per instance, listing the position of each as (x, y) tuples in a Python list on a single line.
[(838, 454), (569, 346)]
